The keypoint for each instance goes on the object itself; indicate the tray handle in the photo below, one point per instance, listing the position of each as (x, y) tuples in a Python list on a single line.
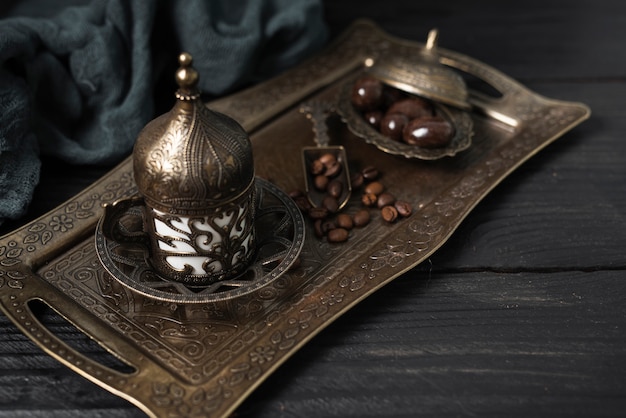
[(20, 312)]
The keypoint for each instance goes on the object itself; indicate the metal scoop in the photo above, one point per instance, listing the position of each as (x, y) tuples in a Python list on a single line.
[(317, 112)]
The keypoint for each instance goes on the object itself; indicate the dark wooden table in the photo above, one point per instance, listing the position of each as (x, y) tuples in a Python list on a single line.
[(521, 313)]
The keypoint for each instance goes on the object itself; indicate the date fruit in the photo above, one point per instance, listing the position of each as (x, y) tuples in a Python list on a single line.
[(428, 132)]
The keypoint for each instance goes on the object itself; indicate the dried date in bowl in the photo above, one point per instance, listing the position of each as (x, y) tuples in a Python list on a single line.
[(461, 124)]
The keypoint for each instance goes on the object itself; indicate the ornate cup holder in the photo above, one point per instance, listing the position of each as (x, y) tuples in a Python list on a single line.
[(280, 237)]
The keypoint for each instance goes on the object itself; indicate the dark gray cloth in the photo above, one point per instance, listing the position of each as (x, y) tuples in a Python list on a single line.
[(79, 86)]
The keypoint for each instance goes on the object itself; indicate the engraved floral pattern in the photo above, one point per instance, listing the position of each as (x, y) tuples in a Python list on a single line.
[(261, 355), (61, 223), (331, 298), (174, 399)]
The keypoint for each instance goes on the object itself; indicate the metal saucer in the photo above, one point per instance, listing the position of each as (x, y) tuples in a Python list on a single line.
[(280, 238)]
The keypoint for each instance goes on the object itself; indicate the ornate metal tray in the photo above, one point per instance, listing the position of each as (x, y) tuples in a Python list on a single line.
[(204, 359)]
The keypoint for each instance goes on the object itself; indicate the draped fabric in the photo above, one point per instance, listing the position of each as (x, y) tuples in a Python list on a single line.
[(79, 86)]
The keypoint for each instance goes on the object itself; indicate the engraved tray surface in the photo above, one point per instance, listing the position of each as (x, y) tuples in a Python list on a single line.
[(204, 359)]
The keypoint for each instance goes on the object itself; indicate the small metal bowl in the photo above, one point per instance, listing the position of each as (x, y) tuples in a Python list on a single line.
[(460, 120)]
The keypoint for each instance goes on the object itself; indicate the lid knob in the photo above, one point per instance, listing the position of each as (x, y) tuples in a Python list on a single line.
[(186, 78)]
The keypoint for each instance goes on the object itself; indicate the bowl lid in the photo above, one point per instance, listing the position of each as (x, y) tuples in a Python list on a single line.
[(423, 75)]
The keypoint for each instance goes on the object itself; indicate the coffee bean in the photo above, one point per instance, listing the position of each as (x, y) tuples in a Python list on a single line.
[(370, 173), (337, 229), (330, 204), (317, 167), (302, 203), (338, 235), (369, 199), (327, 159), (374, 187), (389, 213), (428, 132), (317, 228), (361, 218), (328, 225), (296, 193), (335, 188), (403, 207), (385, 199), (321, 182), (356, 180), (344, 221), (318, 213), (333, 169)]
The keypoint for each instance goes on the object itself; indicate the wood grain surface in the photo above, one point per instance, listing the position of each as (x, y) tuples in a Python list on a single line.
[(521, 313)]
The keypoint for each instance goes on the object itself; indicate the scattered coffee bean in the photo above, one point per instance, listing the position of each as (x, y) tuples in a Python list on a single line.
[(370, 173), (374, 187), (356, 180), (338, 235), (369, 199), (389, 213), (336, 228), (318, 213), (345, 221), (317, 228), (303, 203), (328, 225), (296, 193), (385, 199), (403, 207), (361, 218)]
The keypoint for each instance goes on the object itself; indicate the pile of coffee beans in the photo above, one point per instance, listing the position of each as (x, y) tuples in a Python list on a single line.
[(325, 172), (400, 116), (335, 225)]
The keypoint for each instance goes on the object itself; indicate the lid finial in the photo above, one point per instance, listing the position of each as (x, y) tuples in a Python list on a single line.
[(431, 41), (186, 78)]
